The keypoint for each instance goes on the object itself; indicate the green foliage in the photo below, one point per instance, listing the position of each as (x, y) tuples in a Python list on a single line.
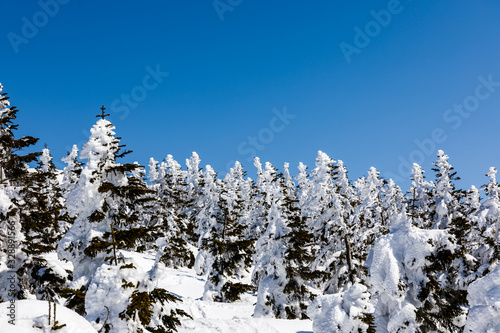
[(142, 307), (75, 299)]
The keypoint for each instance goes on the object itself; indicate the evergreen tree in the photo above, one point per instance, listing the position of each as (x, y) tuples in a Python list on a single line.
[(14, 176), (419, 197), (177, 230), (488, 225), (107, 203), (230, 250), (208, 214), (443, 295), (71, 171), (285, 266), (43, 224)]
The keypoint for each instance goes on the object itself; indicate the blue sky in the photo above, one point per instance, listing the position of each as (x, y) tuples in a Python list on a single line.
[(374, 83)]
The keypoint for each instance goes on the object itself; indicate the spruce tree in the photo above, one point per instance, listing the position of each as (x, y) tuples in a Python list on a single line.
[(43, 224), (169, 215), (207, 217), (443, 295), (230, 251), (14, 176), (285, 266), (107, 202)]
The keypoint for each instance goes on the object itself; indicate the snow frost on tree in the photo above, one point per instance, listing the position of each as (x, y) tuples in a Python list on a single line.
[(419, 197), (14, 176), (488, 223), (229, 249), (443, 295), (208, 214), (397, 267), (43, 226), (484, 302), (71, 171), (172, 198), (345, 312), (283, 272), (107, 203)]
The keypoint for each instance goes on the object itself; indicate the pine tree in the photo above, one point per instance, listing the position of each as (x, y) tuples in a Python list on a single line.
[(176, 229), (43, 226), (71, 172), (419, 197), (488, 225), (230, 250), (444, 295), (14, 176), (107, 203), (208, 214), (285, 266)]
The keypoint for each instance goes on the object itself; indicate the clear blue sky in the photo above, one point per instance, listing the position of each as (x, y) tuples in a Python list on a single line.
[(360, 97)]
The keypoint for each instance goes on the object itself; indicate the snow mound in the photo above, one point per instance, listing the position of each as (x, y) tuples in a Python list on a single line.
[(484, 300), (32, 316)]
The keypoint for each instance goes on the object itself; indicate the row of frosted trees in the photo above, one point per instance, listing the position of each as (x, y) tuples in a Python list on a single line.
[(352, 256)]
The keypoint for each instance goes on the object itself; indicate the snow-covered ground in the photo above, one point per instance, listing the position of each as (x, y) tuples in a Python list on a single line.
[(32, 315)]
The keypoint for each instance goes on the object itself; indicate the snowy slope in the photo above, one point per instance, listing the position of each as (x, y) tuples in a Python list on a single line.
[(32, 316), (208, 316), (216, 317)]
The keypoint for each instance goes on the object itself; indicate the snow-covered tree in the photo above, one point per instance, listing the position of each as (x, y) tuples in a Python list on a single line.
[(14, 176), (443, 295), (208, 214), (107, 204), (43, 224), (419, 197), (283, 271), (71, 171), (488, 223), (348, 311), (169, 214), (230, 251)]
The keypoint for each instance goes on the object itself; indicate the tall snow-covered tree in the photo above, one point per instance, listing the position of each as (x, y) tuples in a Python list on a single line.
[(207, 217), (230, 251), (488, 223), (443, 295), (71, 171), (284, 271), (106, 203), (43, 226), (419, 197), (14, 176), (172, 198)]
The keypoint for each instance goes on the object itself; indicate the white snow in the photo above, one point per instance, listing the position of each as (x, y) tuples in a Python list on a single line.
[(32, 316)]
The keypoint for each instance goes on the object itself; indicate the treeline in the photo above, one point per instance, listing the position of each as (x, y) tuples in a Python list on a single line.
[(352, 256)]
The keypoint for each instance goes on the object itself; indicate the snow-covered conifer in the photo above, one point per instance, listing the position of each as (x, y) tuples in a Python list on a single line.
[(43, 226), (106, 203), (71, 171), (283, 271), (419, 197), (229, 249)]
